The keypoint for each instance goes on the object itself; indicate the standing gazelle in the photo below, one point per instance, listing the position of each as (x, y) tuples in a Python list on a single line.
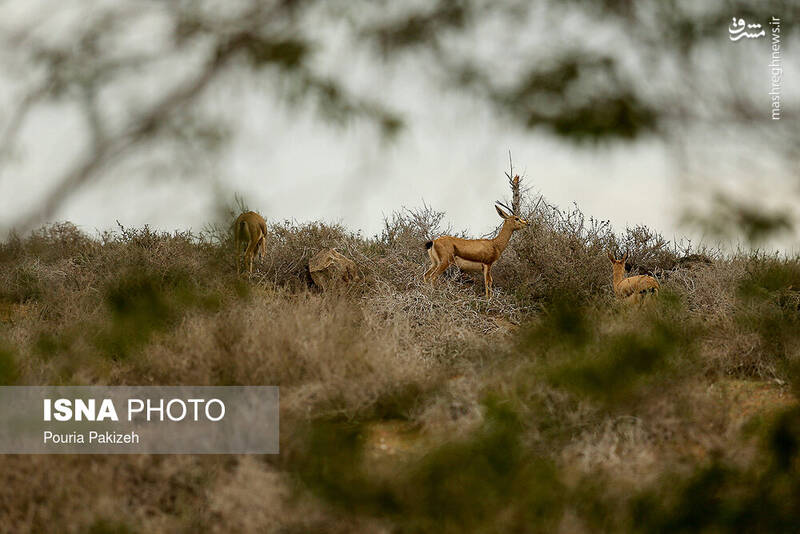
[(472, 254), (632, 288), (249, 228)]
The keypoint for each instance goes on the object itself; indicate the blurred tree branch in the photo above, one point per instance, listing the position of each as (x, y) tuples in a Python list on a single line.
[(574, 89)]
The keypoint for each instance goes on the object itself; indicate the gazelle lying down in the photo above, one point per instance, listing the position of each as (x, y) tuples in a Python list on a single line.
[(633, 288), (249, 228), (472, 254)]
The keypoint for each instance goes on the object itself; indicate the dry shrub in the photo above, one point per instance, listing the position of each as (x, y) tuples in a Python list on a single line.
[(315, 347), (749, 306), (398, 254), (619, 443), (563, 254), (290, 245), (140, 493), (58, 241), (255, 497)]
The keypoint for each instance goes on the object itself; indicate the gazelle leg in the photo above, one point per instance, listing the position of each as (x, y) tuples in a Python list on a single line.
[(251, 251), (442, 267), (442, 262), (429, 271), (486, 278), (262, 247), (434, 263)]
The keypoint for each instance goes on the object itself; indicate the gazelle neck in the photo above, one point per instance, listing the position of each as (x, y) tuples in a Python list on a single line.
[(502, 238), (619, 273)]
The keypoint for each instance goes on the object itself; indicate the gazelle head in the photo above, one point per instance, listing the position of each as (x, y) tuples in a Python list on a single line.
[(515, 221), (618, 266), (618, 262)]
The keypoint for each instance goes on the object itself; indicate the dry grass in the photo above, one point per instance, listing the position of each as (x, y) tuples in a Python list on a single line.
[(484, 407)]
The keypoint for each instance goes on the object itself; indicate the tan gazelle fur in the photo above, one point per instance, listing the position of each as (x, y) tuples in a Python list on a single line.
[(633, 288), (472, 254), (249, 228)]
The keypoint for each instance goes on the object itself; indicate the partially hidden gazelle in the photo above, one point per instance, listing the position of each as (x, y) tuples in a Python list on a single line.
[(473, 254), (250, 228), (632, 288)]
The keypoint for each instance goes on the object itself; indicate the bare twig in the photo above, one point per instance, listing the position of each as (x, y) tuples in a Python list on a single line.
[(514, 182)]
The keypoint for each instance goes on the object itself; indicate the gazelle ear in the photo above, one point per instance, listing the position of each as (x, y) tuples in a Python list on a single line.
[(610, 257), (625, 257), (501, 213)]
